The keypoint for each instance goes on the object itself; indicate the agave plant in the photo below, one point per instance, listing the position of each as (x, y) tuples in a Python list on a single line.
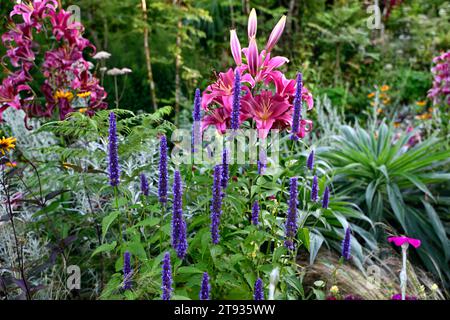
[(397, 184)]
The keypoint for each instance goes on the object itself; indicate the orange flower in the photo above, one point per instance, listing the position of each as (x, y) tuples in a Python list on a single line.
[(424, 116), (384, 88), (11, 164), (421, 103), (371, 95), (386, 101), (82, 110), (379, 110), (397, 124)]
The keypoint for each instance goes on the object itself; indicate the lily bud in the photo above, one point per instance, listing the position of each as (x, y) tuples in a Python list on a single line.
[(252, 24), (235, 47), (252, 57), (276, 34)]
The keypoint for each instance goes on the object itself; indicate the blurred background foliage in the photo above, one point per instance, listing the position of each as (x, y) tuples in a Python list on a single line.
[(329, 41)]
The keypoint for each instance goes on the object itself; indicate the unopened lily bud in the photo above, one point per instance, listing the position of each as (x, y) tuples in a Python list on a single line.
[(252, 24), (276, 34), (235, 47), (252, 57)]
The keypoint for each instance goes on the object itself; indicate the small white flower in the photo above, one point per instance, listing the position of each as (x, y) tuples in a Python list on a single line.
[(126, 70), (102, 55), (90, 65), (114, 72), (103, 69)]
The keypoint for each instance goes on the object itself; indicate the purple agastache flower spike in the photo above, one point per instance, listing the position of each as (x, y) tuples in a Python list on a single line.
[(326, 198), (310, 161), (144, 185), (216, 205), (162, 185), (297, 116), (255, 213), (291, 220), (126, 271), (205, 288), (236, 112), (258, 294), (261, 167), (346, 244), (113, 161), (166, 278), (225, 169), (179, 242), (315, 190), (196, 114), (196, 126)]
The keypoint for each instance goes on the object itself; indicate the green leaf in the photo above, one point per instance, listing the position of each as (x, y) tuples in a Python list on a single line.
[(106, 247), (316, 241), (136, 248), (107, 221), (149, 222), (277, 253), (189, 270), (304, 237), (396, 202), (50, 208)]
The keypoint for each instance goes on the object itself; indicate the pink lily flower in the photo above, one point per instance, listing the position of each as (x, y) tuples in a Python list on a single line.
[(33, 11), (252, 24), (268, 111), (235, 45), (399, 241), (276, 34), (223, 87), (286, 86), (9, 93), (261, 65), (304, 127), (218, 117)]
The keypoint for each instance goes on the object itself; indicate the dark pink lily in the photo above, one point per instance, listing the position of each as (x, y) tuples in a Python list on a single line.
[(267, 110)]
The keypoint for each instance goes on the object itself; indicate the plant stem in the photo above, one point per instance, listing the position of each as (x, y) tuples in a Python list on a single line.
[(403, 275)]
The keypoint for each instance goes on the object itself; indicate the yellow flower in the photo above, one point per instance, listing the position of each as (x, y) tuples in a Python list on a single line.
[(84, 94), (430, 109), (397, 124), (379, 110), (371, 95), (82, 110), (62, 94), (384, 88), (11, 164), (421, 103), (434, 287), (386, 101), (334, 290), (7, 144)]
